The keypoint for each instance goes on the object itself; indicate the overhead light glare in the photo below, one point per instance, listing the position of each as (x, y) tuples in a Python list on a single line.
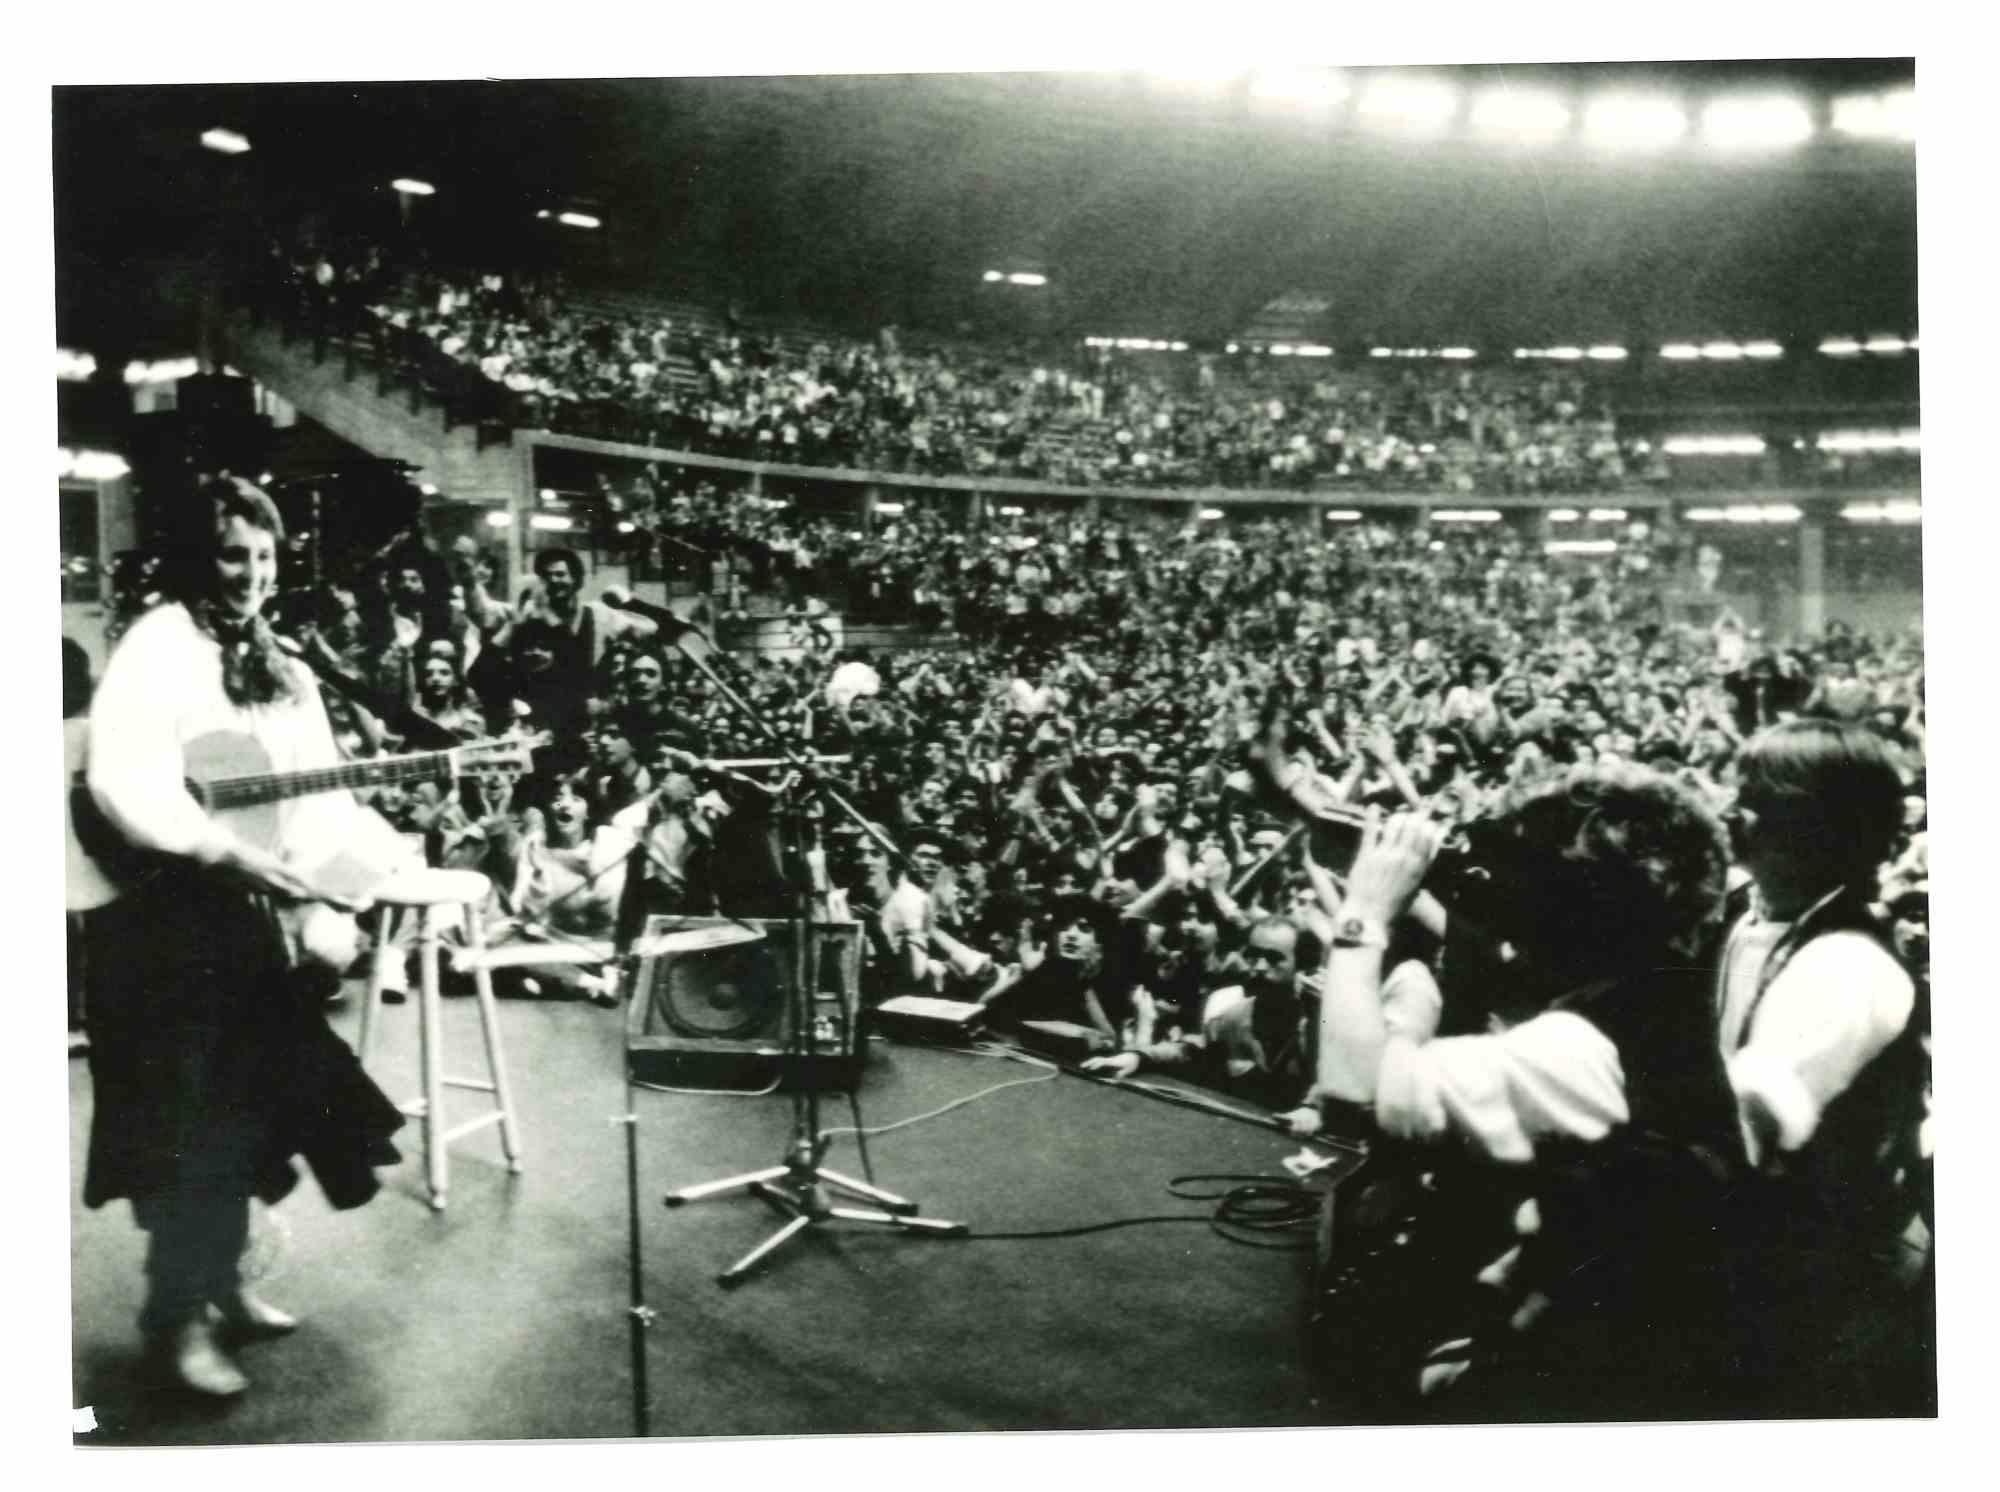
[(1680, 352), (1606, 352), (1756, 122), (499, 518), (1012, 511), (1456, 354), (1411, 105), (1521, 115), (1633, 121), (578, 220), (410, 186), (1301, 88), (428, 489), (1563, 515), (891, 509), (1026, 277), (1721, 352), (1840, 347), (1466, 515), (225, 142), (1608, 515), (1877, 116), (1885, 346), (1343, 515), (1763, 350), (74, 367), (551, 523), (1209, 515)]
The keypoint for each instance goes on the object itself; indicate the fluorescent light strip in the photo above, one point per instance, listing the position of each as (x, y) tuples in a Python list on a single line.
[(578, 220), (1466, 515), (1713, 445), (74, 367), (1840, 347), (553, 523), (1343, 515), (1024, 277), (412, 187), (1884, 512), (1870, 440), (225, 142), (499, 518), (1607, 515), (1209, 515), (1740, 513), (892, 509), (1580, 546), (1563, 515)]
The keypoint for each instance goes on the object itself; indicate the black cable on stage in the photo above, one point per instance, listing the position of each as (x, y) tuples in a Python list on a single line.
[(1255, 1205)]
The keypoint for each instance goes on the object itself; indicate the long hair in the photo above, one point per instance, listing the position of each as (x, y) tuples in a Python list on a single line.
[(1602, 870), (255, 670)]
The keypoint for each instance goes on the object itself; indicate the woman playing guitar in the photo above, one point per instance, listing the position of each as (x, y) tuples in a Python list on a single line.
[(212, 1067)]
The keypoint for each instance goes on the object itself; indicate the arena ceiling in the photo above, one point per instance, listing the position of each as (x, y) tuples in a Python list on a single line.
[(1152, 211)]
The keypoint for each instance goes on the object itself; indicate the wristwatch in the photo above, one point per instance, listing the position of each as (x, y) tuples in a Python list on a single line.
[(1360, 932)]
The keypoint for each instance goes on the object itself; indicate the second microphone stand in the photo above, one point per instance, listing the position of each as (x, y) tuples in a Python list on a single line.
[(801, 1187)]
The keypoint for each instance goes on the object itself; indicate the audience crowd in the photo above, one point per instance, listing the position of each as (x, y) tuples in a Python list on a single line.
[(1163, 795), (1068, 415)]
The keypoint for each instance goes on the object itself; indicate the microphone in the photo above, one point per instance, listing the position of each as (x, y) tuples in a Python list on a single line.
[(670, 625)]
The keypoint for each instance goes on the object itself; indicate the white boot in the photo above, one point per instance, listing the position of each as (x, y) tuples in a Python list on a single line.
[(196, 1362), (245, 1315)]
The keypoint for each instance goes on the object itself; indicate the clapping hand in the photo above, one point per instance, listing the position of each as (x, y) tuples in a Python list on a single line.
[(1390, 867)]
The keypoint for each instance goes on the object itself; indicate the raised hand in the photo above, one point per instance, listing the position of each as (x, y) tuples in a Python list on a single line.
[(1390, 867)]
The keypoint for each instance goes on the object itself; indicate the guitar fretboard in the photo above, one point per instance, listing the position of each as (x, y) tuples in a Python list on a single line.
[(268, 787)]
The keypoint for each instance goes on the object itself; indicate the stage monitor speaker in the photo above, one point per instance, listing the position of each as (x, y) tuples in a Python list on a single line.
[(713, 1005)]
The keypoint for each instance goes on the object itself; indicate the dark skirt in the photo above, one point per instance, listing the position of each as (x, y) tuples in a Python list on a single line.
[(211, 1062)]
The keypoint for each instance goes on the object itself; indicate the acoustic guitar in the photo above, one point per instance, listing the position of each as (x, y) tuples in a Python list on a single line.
[(229, 774)]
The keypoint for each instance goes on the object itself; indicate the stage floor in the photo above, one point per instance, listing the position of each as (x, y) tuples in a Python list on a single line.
[(506, 1316)]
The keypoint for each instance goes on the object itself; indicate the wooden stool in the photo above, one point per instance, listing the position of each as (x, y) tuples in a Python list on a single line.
[(436, 895)]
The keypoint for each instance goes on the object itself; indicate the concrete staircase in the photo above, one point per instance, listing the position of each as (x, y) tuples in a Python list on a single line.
[(381, 424)]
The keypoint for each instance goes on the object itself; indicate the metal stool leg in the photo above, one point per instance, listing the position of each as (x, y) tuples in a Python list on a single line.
[(435, 1157), (489, 1025)]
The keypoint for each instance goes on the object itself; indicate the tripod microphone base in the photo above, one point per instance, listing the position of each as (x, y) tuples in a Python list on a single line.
[(802, 1199)]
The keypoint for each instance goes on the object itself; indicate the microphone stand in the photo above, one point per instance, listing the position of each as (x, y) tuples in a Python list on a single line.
[(798, 1186), (624, 940)]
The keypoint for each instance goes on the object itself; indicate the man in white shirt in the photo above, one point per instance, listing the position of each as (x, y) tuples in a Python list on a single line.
[(1819, 1024)]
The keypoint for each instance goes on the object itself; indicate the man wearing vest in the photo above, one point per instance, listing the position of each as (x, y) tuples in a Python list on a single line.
[(1823, 1034)]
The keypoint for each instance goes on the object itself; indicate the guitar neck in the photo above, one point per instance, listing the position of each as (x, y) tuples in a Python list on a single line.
[(269, 787)]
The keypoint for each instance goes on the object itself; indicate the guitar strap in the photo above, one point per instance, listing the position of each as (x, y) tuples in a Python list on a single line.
[(419, 731)]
